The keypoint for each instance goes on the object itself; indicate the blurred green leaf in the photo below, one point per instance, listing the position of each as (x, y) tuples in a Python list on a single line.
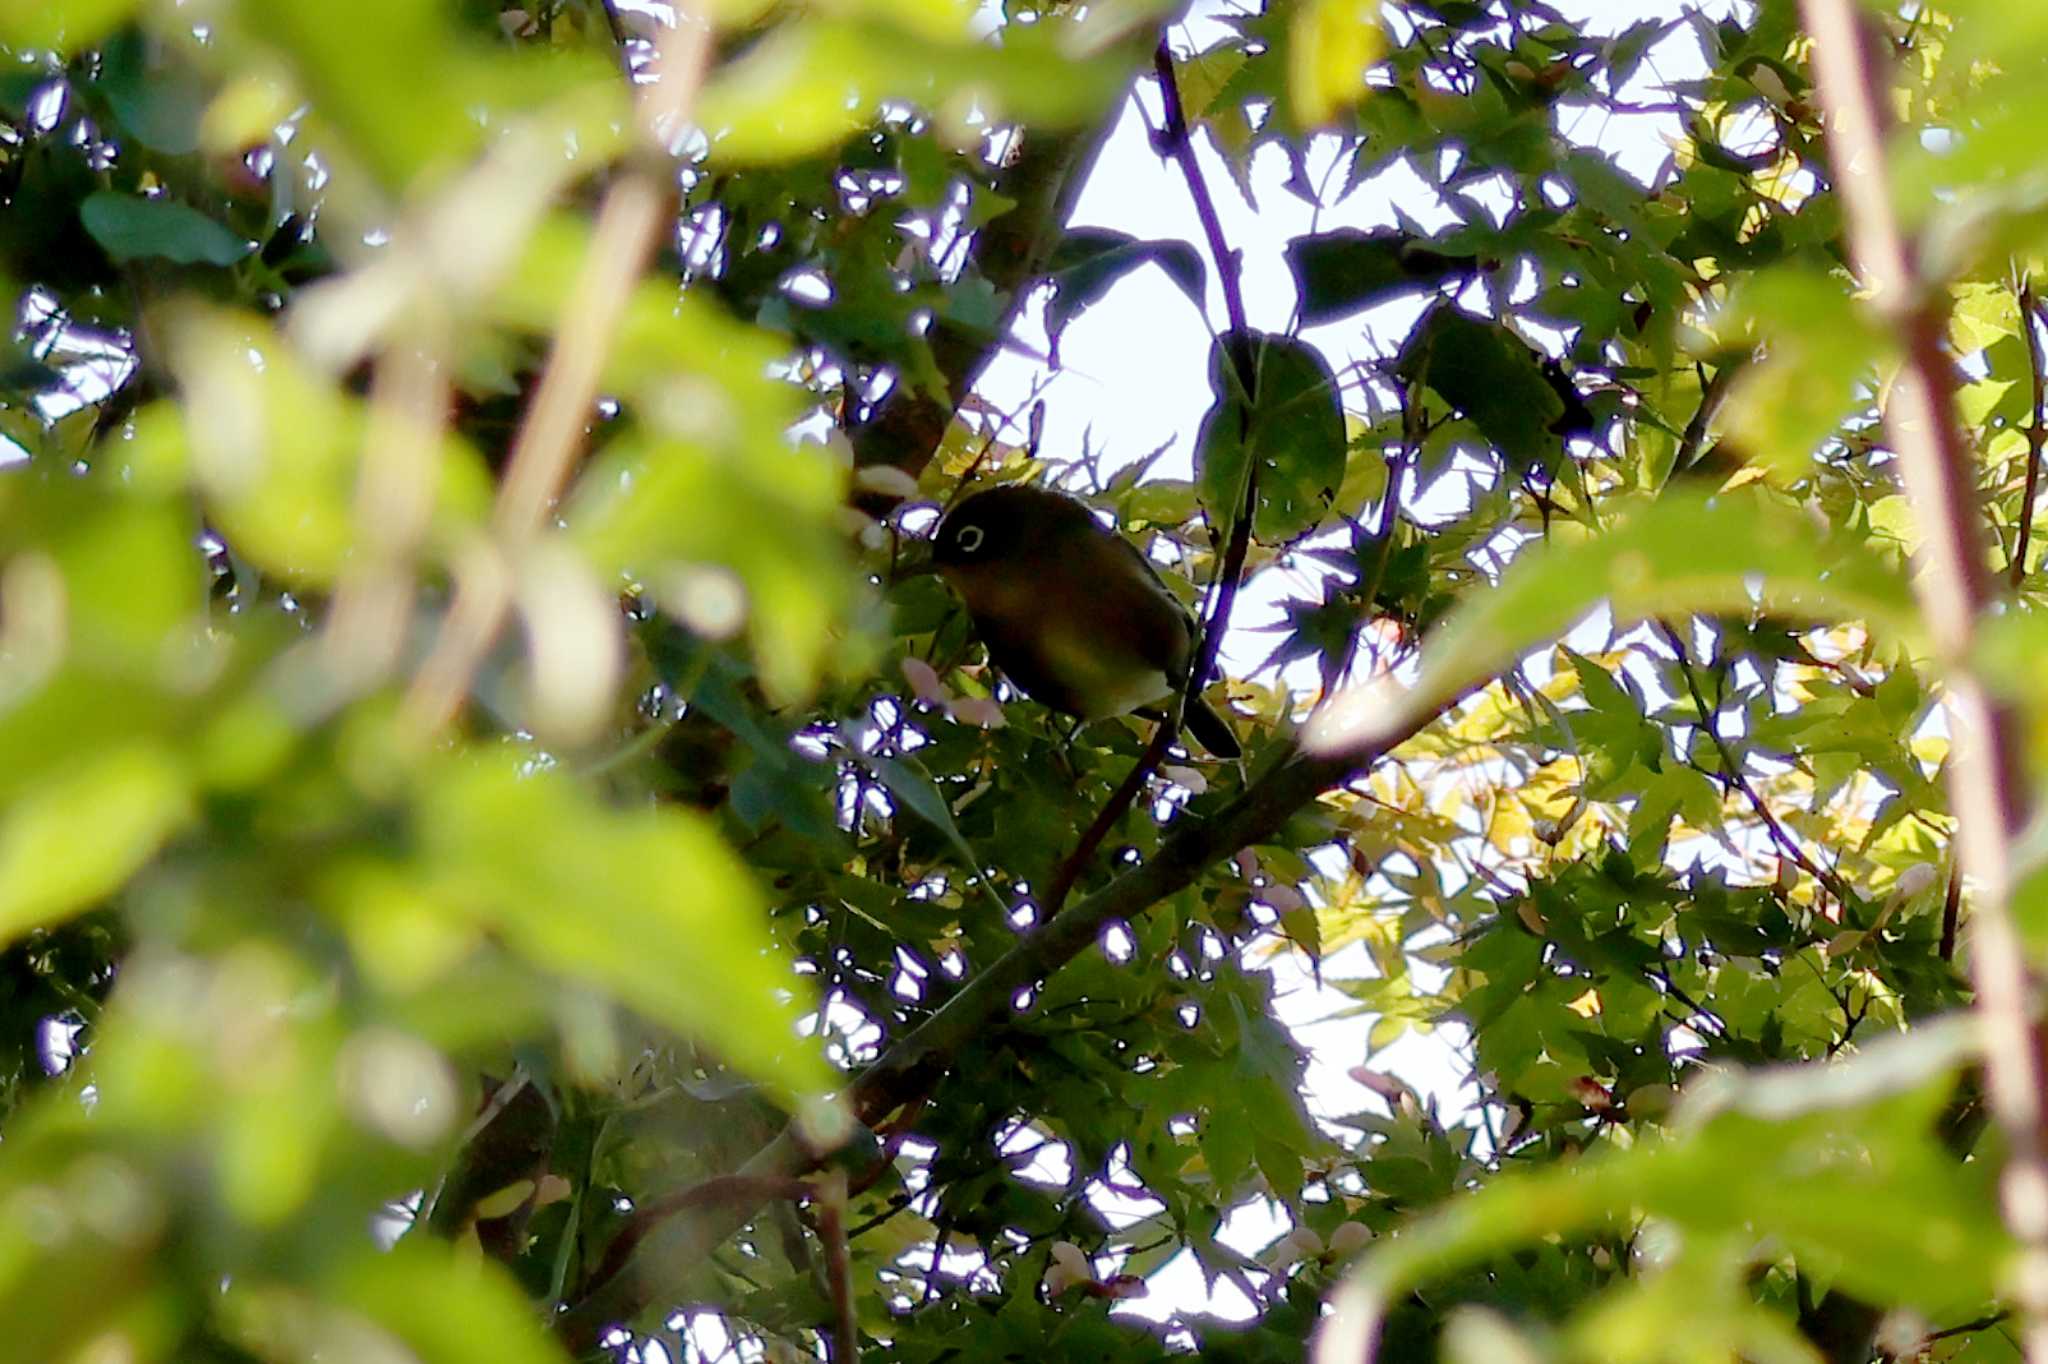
[(647, 903), (1819, 350), (1738, 552), (444, 1309), (1292, 431), (1332, 44), (809, 84), (1849, 1172), (72, 24), (77, 836), (131, 227)]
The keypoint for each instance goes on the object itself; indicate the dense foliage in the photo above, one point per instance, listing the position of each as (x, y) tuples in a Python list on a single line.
[(505, 856)]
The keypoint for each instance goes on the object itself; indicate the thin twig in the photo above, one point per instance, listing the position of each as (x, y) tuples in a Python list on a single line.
[(1713, 394), (1175, 142), (1967, 1328), (941, 1234), (619, 35), (1106, 818), (1954, 587), (1390, 508), (838, 1267), (629, 227), (507, 1090), (2036, 430), (1951, 913), (1732, 773)]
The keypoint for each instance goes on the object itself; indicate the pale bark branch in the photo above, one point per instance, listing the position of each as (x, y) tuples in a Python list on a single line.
[(1954, 586)]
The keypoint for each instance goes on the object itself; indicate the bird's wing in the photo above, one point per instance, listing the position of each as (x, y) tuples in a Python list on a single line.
[(1165, 640)]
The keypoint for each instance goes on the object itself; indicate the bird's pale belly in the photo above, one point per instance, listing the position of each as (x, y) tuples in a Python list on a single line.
[(1113, 684)]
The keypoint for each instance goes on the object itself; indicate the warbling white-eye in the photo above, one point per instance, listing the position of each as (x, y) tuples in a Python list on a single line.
[(1070, 610)]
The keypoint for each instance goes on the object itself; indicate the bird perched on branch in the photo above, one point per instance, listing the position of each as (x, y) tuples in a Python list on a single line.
[(1070, 610)]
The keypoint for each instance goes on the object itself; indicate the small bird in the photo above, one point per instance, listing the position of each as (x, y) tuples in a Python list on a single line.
[(1070, 610)]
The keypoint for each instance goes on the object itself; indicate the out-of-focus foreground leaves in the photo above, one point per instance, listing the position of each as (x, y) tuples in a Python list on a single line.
[(333, 1025)]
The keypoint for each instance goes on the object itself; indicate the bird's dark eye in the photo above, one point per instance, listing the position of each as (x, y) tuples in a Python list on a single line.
[(968, 538)]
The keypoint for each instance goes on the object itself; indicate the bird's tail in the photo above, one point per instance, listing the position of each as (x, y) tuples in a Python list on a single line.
[(1209, 730)]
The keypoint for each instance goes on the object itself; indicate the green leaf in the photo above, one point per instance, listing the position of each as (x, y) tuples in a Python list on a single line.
[(158, 103), (1519, 401), (647, 903), (1091, 259), (1227, 1145), (75, 837), (1837, 1159), (1343, 271), (131, 227), (447, 1309), (769, 560), (910, 783), (1819, 349), (807, 85), (72, 25), (1292, 432)]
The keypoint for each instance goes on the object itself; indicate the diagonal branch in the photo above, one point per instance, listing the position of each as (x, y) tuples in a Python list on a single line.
[(914, 1065), (544, 452), (1954, 587)]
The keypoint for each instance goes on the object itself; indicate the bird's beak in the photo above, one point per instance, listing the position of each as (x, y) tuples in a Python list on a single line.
[(915, 563)]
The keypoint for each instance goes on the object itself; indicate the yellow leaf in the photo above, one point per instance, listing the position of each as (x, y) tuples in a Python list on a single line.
[(1333, 42)]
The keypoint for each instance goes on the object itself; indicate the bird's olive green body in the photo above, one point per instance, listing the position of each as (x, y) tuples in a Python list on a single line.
[(1070, 610)]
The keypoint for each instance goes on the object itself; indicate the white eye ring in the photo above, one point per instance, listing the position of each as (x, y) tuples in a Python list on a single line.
[(969, 539)]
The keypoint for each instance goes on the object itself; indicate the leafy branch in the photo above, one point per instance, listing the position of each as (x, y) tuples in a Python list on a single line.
[(910, 1069)]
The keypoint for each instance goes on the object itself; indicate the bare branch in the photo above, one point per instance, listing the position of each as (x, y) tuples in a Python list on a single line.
[(1954, 587), (2030, 320), (629, 226)]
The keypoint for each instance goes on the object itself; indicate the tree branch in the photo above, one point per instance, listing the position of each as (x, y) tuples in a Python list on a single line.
[(1176, 141), (838, 1268), (1114, 809), (914, 1065), (629, 227), (739, 1189), (1954, 587), (2030, 308), (908, 424)]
